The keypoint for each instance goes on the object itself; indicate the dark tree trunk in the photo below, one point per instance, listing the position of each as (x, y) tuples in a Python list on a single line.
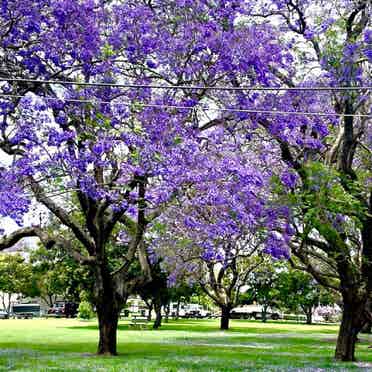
[(309, 315), (7, 306), (264, 314), (351, 325), (108, 305), (367, 327), (167, 311), (158, 317), (225, 317), (3, 301), (7, 309), (108, 317), (178, 310), (367, 264), (149, 313)]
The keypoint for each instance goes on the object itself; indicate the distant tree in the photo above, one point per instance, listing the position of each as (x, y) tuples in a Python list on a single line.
[(263, 287), (298, 291), (220, 266), (15, 278), (156, 293), (57, 275), (182, 293)]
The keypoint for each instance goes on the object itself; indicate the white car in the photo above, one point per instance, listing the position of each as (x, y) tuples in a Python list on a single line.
[(254, 312), (4, 314)]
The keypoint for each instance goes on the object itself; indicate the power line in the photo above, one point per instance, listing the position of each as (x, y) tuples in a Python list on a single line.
[(78, 100), (185, 87), (153, 105)]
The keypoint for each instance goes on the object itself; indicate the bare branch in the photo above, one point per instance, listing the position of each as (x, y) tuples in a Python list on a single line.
[(61, 214), (10, 240)]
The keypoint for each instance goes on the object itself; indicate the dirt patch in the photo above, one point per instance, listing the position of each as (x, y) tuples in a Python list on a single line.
[(18, 351), (334, 339), (364, 365), (87, 355)]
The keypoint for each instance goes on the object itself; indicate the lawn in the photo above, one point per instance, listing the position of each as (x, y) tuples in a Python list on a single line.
[(69, 345)]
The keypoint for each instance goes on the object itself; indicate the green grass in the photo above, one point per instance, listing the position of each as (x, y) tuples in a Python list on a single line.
[(69, 345)]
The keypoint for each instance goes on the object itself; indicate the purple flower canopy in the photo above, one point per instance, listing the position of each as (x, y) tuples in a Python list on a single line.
[(99, 140)]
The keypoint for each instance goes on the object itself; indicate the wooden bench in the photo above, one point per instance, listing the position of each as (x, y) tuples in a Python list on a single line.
[(139, 322)]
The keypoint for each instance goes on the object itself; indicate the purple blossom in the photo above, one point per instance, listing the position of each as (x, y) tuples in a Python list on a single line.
[(289, 179)]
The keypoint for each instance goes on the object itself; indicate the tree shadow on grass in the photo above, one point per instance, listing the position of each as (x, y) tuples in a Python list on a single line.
[(193, 335), (239, 327), (121, 327)]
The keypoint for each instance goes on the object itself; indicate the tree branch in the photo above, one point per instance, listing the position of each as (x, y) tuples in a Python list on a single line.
[(61, 214), (10, 240)]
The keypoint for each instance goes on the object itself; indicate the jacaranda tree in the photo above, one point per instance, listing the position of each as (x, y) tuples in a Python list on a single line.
[(106, 160), (332, 202), (220, 230), (324, 137)]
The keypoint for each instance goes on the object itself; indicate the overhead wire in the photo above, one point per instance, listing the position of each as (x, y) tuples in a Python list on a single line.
[(182, 87), (185, 87), (233, 110)]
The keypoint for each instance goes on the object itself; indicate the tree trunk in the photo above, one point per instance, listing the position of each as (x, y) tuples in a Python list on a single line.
[(309, 316), (167, 311), (264, 313), (158, 317), (50, 302), (8, 308), (367, 264), (225, 317), (108, 317), (178, 309), (149, 314), (3, 301), (351, 324), (367, 327), (108, 306)]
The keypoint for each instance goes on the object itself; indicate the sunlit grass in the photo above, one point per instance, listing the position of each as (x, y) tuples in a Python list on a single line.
[(69, 345)]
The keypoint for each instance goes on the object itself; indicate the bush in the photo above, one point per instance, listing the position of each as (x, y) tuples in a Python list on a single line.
[(85, 310)]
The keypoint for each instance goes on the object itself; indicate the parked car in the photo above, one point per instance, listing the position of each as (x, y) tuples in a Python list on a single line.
[(197, 314), (239, 313), (57, 309), (4, 314), (26, 311), (189, 311), (254, 312), (64, 309), (215, 315)]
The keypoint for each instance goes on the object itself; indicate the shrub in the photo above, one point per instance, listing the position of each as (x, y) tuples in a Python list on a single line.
[(85, 310)]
